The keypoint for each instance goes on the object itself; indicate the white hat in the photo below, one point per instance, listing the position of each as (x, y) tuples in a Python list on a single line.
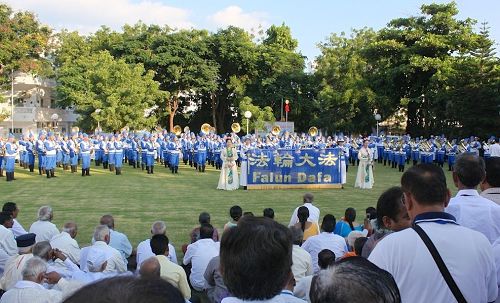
[(96, 258)]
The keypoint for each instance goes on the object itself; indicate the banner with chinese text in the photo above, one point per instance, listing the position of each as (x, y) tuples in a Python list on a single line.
[(306, 168)]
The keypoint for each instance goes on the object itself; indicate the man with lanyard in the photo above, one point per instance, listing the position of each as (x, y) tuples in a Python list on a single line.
[(10, 158), (174, 152), (450, 262), (85, 149)]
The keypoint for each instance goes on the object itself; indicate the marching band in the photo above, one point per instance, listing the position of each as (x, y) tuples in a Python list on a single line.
[(144, 150)]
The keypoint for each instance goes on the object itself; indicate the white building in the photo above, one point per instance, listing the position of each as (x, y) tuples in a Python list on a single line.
[(34, 107)]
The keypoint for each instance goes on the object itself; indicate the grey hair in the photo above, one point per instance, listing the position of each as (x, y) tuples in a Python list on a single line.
[(70, 227), (150, 271), (158, 228), (42, 249), (354, 280), (297, 235), (308, 198), (45, 213), (34, 267), (101, 232)]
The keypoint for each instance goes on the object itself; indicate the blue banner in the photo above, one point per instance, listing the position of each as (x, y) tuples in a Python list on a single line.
[(293, 167)]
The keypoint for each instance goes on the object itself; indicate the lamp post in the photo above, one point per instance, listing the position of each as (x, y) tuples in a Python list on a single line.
[(248, 115), (12, 99), (97, 111), (377, 118)]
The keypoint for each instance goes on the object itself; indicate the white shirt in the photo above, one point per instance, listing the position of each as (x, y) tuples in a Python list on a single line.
[(18, 229), (496, 253), (466, 253), (144, 252), (324, 240), (68, 246), (115, 264), (199, 255), (289, 297), (303, 287), (302, 263), (76, 274), (27, 291), (13, 269), (8, 246), (492, 194), (477, 213), (495, 150), (44, 230), (313, 214), (276, 299), (120, 242)]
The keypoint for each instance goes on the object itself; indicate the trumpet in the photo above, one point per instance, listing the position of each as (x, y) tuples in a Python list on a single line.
[(177, 130), (276, 130), (313, 131), (235, 127)]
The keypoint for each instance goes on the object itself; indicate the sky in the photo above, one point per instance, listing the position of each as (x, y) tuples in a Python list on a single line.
[(311, 21)]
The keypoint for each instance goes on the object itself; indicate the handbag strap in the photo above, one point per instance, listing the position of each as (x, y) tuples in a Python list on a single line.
[(440, 264)]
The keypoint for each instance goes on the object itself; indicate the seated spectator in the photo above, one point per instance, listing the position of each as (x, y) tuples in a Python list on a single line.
[(44, 229), (268, 213), (255, 260), (101, 243), (150, 268), (326, 258), (308, 228), (127, 289), (15, 264), (466, 253), (325, 240), (199, 255), (355, 280), (496, 252), (351, 239), (371, 216), (302, 261), (65, 242), (235, 212), (8, 246), (490, 187), (169, 271), (314, 212), (347, 224), (216, 289), (144, 248), (248, 213), (17, 228), (468, 207), (392, 216), (29, 289), (204, 218), (287, 292), (358, 245), (117, 240)]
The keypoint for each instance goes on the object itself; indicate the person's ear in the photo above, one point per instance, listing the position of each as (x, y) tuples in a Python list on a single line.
[(40, 278), (455, 179), (448, 197)]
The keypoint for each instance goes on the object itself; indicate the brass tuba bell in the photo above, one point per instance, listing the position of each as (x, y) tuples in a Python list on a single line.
[(313, 131), (206, 128), (235, 127), (276, 130), (177, 130)]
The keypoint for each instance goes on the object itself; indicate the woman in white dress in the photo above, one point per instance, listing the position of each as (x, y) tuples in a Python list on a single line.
[(364, 178), (228, 179)]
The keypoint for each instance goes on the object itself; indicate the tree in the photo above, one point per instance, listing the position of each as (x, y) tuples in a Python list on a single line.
[(259, 115), (126, 94)]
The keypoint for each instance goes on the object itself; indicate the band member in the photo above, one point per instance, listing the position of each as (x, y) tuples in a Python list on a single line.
[(343, 152), (40, 150), (85, 149), (118, 154), (11, 150), (51, 154)]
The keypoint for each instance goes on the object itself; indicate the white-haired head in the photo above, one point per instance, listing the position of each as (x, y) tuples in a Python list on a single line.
[(34, 270), (159, 228), (101, 233), (45, 213)]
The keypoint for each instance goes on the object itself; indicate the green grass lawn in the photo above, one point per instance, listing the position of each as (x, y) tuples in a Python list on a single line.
[(136, 199)]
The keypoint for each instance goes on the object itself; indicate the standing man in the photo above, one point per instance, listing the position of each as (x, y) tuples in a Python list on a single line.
[(150, 154), (40, 150), (73, 153), (51, 154), (344, 156), (111, 153), (118, 154), (313, 210), (174, 148), (10, 158), (85, 149)]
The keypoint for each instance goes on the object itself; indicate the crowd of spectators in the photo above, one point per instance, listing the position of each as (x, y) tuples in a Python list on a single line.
[(419, 244)]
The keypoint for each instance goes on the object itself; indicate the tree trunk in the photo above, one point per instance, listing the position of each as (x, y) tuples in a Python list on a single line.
[(214, 102), (173, 105)]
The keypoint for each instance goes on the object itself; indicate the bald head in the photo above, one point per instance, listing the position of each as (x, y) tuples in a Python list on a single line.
[(71, 228), (108, 221), (150, 268)]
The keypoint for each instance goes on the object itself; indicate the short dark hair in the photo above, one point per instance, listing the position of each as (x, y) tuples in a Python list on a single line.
[(372, 211), (354, 280), (10, 207), (204, 218), (159, 244), (326, 258), (469, 169), (248, 213), (235, 212), (127, 289), (389, 204), (493, 171), (206, 231), (303, 215), (256, 258), (5, 216), (328, 223), (269, 213), (358, 245), (426, 182)]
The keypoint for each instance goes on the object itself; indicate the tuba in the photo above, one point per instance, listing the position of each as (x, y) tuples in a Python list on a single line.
[(235, 127), (206, 128), (177, 130), (313, 131), (276, 130)]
